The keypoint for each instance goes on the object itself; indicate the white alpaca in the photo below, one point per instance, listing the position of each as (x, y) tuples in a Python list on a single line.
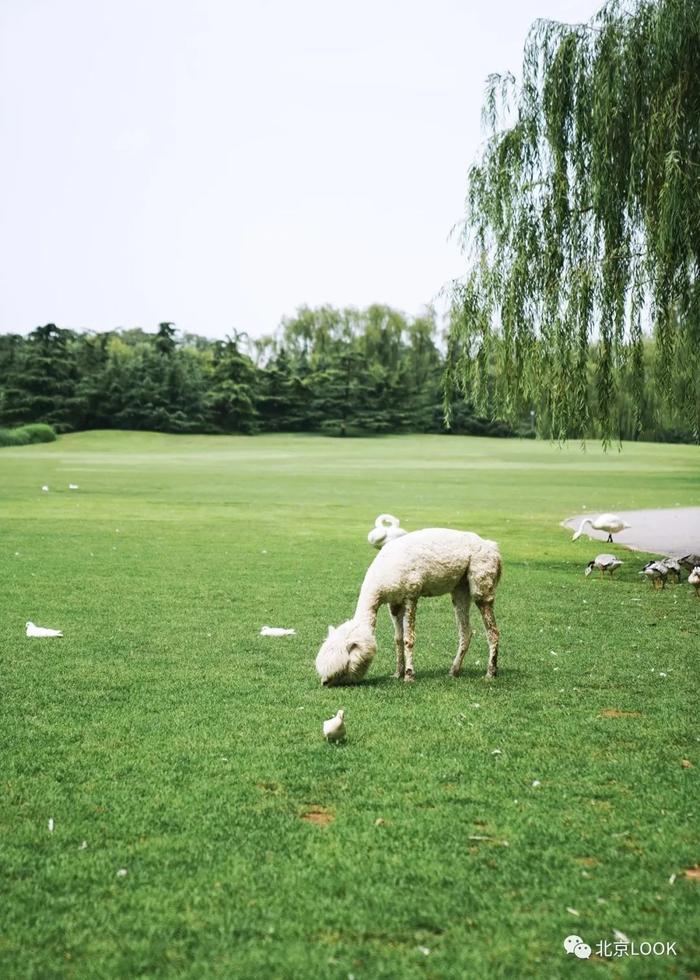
[(430, 562)]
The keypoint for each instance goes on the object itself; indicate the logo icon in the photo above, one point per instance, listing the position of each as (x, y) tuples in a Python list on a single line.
[(576, 945)]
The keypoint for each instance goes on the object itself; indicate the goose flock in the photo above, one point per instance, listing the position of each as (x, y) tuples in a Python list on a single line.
[(657, 572)]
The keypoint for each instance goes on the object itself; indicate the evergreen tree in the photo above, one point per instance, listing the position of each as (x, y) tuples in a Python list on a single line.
[(232, 399), (284, 402), (42, 386)]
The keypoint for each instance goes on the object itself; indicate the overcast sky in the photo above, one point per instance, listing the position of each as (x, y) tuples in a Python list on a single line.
[(218, 163)]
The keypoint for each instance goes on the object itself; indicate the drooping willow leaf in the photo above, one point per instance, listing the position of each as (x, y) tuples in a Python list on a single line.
[(583, 223)]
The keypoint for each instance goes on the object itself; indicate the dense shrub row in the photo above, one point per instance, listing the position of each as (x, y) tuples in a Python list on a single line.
[(24, 435)]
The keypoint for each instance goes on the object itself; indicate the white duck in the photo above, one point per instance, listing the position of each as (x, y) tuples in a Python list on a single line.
[(694, 580), (604, 522), (604, 563), (386, 528), (334, 728)]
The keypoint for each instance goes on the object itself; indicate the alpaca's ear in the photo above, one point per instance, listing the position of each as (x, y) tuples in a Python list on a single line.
[(331, 631)]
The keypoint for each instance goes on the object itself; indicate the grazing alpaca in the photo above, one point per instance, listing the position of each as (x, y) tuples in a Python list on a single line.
[(430, 562)]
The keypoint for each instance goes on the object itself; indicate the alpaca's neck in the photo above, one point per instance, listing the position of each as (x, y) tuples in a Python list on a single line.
[(368, 604)]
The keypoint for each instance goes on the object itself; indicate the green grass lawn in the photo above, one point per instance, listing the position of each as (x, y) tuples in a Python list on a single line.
[(186, 749)]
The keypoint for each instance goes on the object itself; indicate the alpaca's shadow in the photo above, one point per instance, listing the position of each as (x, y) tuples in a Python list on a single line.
[(440, 673)]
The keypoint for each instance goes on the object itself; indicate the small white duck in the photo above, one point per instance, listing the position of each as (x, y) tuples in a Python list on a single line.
[(694, 580), (604, 563), (334, 728), (386, 528), (604, 522)]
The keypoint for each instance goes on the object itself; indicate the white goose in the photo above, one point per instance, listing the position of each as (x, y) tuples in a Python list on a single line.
[(604, 522), (386, 528), (694, 580)]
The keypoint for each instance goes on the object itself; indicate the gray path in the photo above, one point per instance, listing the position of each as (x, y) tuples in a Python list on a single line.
[(672, 531)]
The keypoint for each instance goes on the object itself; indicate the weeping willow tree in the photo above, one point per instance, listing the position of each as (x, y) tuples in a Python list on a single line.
[(583, 224)]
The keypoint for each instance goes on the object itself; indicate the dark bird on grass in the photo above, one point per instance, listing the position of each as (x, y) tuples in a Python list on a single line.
[(656, 572), (674, 569), (689, 562)]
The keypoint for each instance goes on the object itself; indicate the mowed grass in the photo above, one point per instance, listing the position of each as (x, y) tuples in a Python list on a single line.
[(187, 749)]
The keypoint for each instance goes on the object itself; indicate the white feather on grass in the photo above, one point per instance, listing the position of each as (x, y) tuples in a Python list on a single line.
[(32, 630)]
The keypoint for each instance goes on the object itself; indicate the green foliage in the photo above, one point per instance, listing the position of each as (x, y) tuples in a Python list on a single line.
[(42, 382), (337, 372), (182, 746), (232, 397), (583, 223), (326, 370), (25, 435)]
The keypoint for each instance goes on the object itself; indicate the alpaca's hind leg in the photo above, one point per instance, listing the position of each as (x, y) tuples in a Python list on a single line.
[(409, 637), (397, 612), (460, 602), (486, 610)]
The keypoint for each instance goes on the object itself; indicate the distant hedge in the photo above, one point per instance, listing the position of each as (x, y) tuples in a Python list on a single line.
[(25, 435)]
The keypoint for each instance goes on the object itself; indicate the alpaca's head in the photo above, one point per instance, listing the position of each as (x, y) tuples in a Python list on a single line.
[(346, 654)]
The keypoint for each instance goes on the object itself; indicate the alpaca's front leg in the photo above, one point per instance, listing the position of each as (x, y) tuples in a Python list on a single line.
[(486, 610), (409, 630), (397, 614), (460, 602)]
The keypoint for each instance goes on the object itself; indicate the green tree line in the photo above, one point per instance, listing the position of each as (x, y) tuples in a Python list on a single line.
[(326, 370)]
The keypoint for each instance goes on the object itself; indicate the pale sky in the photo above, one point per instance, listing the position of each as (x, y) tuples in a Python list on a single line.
[(219, 163)]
